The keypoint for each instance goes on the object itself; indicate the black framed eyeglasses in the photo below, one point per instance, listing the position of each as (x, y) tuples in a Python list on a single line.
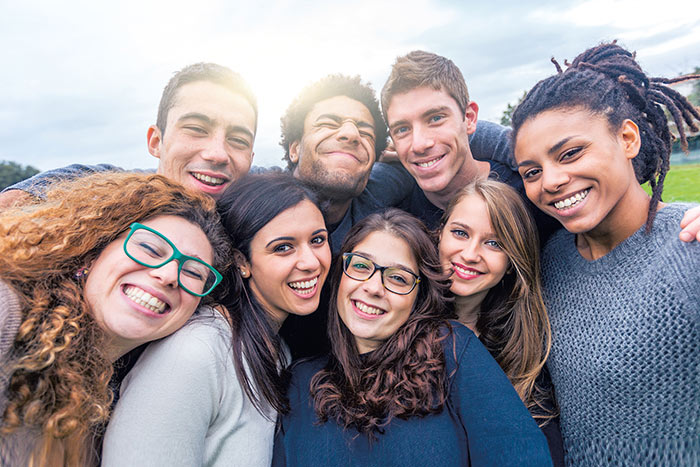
[(395, 279), (152, 249)]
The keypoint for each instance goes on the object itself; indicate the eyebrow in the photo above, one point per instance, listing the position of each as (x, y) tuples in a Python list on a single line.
[(427, 113), (338, 119), (556, 147), (315, 232), (466, 227), (205, 119), (392, 265)]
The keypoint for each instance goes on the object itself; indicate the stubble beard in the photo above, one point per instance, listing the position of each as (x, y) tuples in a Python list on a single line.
[(332, 186)]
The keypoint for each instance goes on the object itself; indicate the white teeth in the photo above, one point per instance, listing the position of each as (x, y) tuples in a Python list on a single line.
[(207, 179), (573, 200), (464, 272), (145, 299), (304, 287), (428, 163), (370, 310)]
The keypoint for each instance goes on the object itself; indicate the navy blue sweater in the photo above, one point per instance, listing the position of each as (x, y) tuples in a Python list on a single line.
[(484, 423)]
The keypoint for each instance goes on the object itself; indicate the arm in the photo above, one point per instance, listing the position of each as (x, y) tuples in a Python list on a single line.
[(37, 185), (691, 225), (389, 184), (167, 403), (492, 141), (500, 430)]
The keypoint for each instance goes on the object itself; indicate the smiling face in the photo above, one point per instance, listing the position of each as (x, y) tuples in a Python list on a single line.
[(135, 304), (289, 261), (371, 313), (431, 135), (336, 150), (470, 250), (208, 138), (577, 170)]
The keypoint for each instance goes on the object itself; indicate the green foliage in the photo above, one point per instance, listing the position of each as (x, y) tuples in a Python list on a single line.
[(681, 184), (508, 113), (12, 172)]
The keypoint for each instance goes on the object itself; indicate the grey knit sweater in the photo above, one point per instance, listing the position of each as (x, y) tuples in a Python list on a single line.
[(625, 358)]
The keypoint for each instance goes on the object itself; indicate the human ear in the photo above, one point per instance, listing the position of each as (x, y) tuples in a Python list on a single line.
[(631, 140), (242, 264), (153, 140), (470, 117), (294, 152)]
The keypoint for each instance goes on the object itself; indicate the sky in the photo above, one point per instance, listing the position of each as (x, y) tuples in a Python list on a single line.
[(81, 80)]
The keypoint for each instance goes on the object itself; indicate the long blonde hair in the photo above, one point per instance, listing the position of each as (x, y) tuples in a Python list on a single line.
[(513, 322)]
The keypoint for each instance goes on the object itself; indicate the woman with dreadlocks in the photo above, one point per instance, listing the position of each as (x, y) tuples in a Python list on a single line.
[(621, 289)]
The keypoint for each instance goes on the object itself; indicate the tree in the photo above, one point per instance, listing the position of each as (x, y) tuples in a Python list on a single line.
[(694, 96), (508, 113), (12, 172)]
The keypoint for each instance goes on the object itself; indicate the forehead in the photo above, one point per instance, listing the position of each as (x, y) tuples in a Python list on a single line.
[(286, 223), (340, 106), (215, 101), (415, 102), (375, 246), (473, 211)]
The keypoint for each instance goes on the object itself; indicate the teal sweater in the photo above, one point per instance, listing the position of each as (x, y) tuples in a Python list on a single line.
[(625, 358)]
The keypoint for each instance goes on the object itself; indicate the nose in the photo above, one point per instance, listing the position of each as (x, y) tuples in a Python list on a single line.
[(553, 178), (471, 252), (166, 274), (422, 140), (373, 286), (307, 260), (215, 149), (348, 131)]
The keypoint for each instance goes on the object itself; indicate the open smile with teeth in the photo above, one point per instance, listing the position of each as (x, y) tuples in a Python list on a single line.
[(572, 201), (304, 287), (370, 310), (207, 180), (465, 272), (145, 299), (429, 163)]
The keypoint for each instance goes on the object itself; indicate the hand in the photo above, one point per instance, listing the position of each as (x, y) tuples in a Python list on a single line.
[(690, 225), (389, 154)]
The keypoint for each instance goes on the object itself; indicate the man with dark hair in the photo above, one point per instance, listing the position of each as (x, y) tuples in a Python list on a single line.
[(332, 135), (203, 138)]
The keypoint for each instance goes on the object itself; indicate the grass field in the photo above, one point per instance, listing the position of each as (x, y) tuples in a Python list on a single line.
[(682, 183)]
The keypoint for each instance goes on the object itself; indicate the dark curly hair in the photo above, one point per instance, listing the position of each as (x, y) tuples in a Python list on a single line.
[(405, 376), (607, 81), (292, 123)]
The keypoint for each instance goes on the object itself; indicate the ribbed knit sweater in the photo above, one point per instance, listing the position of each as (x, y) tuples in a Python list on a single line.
[(625, 357)]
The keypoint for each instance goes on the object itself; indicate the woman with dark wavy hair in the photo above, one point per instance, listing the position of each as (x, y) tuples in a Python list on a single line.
[(403, 384), (210, 393), (103, 265)]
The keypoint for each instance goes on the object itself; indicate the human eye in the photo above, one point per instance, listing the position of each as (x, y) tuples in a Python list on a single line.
[(328, 123), (570, 154), (493, 244), (318, 240), (197, 130), (398, 276), (530, 174), (282, 248), (436, 118), (459, 233), (151, 246), (239, 142), (367, 134), (194, 272), (400, 131)]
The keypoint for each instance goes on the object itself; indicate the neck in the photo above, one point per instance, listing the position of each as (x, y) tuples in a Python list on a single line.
[(335, 209), (470, 171), (467, 309), (626, 217)]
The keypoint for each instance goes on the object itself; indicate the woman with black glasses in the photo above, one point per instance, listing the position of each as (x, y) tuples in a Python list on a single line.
[(403, 385), (106, 263)]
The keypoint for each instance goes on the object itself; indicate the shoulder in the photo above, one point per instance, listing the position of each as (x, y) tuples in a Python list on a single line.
[(458, 342), (304, 369)]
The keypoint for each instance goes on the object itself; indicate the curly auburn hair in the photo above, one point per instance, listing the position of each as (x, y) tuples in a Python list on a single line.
[(512, 322), (607, 81), (405, 376), (58, 369), (292, 122)]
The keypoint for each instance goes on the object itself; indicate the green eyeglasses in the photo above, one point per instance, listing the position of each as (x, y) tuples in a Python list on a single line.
[(395, 279), (152, 249)]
